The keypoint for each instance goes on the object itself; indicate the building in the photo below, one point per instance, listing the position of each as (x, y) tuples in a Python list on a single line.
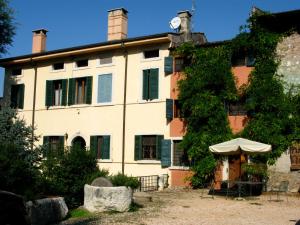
[(112, 97)]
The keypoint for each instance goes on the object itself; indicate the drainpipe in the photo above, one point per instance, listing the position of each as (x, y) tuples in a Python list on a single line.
[(33, 105), (124, 108)]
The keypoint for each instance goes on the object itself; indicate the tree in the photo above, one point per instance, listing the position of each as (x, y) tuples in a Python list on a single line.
[(19, 171), (7, 26)]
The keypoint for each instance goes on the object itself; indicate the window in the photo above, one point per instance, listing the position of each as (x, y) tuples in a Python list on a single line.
[(177, 109), (148, 147), (82, 63), (104, 88), (17, 96), (151, 54), (54, 145), (80, 91), (58, 66), (180, 156), (150, 84), (236, 108), (179, 64), (100, 145), (105, 60), (242, 58), (16, 72), (295, 156), (56, 92)]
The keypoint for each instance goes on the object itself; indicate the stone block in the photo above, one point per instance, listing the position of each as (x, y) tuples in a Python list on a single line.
[(47, 211), (101, 199)]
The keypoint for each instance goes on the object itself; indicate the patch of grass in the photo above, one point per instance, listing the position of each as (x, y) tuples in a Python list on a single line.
[(79, 213)]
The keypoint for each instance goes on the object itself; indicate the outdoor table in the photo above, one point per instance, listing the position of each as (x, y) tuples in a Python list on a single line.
[(250, 183)]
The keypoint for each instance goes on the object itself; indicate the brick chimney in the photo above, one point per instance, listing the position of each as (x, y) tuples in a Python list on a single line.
[(39, 40), (117, 24), (185, 26)]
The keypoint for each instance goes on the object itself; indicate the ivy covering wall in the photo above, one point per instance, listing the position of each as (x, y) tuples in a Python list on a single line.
[(273, 113)]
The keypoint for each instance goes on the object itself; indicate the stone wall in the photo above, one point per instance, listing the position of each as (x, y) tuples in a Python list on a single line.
[(288, 51)]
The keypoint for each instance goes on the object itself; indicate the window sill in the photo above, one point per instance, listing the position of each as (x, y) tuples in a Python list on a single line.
[(81, 68), (151, 59), (144, 161), (104, 161), (149, 101), (179, 168), (17, 76), (57, 71), (79, 105), (103, 104), (56, 107), (105, 65)]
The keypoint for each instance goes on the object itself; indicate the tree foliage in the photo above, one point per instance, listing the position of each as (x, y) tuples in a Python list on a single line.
[(7, 26), (19, 165)]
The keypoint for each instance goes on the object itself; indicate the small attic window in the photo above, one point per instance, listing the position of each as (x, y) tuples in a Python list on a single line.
[(104, 60), (16, 72), (82, 63), (151, 54), (58, 66)]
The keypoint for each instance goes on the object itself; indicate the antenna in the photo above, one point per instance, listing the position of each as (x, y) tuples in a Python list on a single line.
[(193, 12), (175, 23)]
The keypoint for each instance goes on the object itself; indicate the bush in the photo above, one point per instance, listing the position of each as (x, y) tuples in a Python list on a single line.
[(123, 180), (17, 173), (66, 175)]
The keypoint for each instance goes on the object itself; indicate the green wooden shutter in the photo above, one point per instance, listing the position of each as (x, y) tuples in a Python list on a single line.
[(46, 146), (21, 96), (158, 146), (105, 153), (168, 65), (13, 96), (94, 145), (71, 94), (89, 89), (153, 84), (64, 83), (165, 153), (49, 93), (145, 84), (137, 147), (169, 108)]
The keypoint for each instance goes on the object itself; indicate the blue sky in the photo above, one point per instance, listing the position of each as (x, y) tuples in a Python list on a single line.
[(76, 22)]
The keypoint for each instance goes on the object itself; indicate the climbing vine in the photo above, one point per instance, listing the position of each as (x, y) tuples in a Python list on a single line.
[(208, 84)]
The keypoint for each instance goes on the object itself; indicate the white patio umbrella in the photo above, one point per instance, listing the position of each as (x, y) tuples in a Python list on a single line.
[(239, 145)]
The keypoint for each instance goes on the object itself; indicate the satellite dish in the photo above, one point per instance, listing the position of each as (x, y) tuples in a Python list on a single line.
[(175, 23)]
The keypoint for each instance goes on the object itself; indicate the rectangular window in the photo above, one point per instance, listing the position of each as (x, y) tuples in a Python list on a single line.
[(105, 60), (17, 96), (150, 84), (236, 108), (58, 66), (148, 147), (180, 156), (53, 145), (177, 109), (151, 54), (179, 64), (100, 145), (16, 72), (80, 90), (82, 63), (56, 92), (104, 88)]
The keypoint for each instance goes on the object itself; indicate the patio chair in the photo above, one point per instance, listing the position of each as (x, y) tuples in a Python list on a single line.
[(283, 187)]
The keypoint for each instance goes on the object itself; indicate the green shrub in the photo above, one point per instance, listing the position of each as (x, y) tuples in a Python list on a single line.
[(123, 180), (66, 175)]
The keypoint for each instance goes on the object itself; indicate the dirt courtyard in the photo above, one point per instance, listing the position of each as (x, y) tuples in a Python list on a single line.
[(186, 207)]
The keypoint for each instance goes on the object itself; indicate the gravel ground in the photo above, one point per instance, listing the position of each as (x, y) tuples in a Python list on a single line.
[(186, 207)]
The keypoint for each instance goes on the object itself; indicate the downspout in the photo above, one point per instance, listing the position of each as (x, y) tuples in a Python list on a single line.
[(124, 108), (33, 105)]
